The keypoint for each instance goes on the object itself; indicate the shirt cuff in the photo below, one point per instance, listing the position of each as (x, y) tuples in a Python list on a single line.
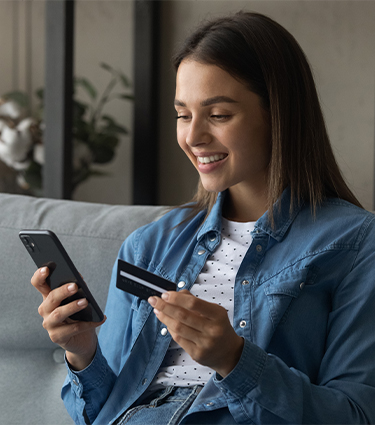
[(245, 376), (92, 376)]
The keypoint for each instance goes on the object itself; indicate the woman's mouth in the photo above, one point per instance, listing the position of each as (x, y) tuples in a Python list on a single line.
[(211, 158), (207, 164)]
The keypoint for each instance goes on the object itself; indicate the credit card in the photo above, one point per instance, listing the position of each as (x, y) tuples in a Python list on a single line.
[(140, 282)]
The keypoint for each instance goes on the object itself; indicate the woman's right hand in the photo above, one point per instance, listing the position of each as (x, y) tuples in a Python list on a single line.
[(77, 338)]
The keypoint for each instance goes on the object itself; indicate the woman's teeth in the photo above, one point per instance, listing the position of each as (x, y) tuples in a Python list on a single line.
[(212, 158)]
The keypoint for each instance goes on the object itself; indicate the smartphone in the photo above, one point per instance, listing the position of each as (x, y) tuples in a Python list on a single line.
[(46, 250)]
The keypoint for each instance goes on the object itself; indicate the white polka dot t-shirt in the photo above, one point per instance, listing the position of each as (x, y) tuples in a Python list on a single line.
[(215, 284)]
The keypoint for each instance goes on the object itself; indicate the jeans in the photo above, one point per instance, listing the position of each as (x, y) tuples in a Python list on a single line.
[(164, 407)]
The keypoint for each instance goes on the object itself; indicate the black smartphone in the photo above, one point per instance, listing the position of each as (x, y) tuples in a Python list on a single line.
[(46, 250)]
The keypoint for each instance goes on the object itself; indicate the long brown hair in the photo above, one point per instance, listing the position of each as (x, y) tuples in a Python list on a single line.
[(266, 58)]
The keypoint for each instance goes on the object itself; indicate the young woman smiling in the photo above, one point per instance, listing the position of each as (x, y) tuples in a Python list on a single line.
[(273, 319), (218, 116)]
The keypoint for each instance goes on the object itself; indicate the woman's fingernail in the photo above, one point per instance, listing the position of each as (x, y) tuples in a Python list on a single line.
[(82, 302), (44, 271), (152, 301), (72, 287), (165, 296)]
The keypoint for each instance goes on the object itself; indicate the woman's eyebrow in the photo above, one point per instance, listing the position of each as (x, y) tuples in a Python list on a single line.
[(217, 99), (209, 101)]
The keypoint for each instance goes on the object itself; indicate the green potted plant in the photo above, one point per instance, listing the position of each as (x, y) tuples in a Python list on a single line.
[(96, 135)]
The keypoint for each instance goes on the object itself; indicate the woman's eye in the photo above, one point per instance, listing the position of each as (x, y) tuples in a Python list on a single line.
[(220, 117), (216, 117)]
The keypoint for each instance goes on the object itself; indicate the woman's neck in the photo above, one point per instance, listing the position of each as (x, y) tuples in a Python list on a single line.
[(244, 206)]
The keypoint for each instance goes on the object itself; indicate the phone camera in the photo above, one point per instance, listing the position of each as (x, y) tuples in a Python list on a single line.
[(28, 243)]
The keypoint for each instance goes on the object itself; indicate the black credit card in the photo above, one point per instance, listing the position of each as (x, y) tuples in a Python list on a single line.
[(140, 282)]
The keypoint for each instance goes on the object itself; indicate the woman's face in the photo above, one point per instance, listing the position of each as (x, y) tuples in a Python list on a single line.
[(222, 128)]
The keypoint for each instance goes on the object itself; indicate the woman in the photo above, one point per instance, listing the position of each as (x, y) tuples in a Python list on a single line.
[(278, 325)]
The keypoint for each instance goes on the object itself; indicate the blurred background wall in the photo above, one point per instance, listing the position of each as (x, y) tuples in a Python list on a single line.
[(337, 36)]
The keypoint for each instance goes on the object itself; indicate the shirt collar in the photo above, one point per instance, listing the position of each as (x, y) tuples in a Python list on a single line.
[(213, 221), (283, 217)]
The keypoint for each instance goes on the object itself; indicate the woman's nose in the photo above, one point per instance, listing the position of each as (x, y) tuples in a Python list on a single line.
[(198, 134)]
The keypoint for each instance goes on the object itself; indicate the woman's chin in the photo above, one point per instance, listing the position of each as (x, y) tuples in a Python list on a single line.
[(213, 186)]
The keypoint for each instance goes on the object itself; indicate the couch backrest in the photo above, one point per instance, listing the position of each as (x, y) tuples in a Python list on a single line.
[(91, 233)]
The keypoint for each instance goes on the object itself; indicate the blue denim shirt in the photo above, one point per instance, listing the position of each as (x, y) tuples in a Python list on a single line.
[(306, 294)]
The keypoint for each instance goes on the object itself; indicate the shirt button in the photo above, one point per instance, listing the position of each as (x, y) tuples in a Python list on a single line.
[(245, 282), (144, 381), (164, 331), (242, 323), (181, 284), (302, 285), (212, 237), (209, 404), (259, 248), (75, 382), (201, 252)]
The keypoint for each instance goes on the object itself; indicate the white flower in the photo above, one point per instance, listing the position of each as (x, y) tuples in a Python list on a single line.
[(38, 154), (2, 125), (25, 124), (10, 109), (15, 144), (22, 183)]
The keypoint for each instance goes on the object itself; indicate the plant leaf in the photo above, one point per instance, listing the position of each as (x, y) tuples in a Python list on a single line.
[(108, 119), (22, 99), (79, 110), (82, 131), (33, 175), (84, 173), (99, 173), (87, 85), (107, 67), (125, 96), (103, 147), (125, 81), (114, 128), (40, 94)]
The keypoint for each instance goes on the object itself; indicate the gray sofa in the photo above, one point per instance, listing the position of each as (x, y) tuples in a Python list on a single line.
[(31, 366)]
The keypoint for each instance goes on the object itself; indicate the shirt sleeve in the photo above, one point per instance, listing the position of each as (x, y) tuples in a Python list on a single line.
[(263, 389), (84, 393)]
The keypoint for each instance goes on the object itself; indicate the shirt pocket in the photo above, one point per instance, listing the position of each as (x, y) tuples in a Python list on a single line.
[(136, 303), (283, 289), (140, 311)]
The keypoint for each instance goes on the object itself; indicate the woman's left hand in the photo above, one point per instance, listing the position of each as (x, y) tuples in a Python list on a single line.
[(201, 328)]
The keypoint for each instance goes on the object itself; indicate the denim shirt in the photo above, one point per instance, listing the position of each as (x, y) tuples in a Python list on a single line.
[(304, 302)]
